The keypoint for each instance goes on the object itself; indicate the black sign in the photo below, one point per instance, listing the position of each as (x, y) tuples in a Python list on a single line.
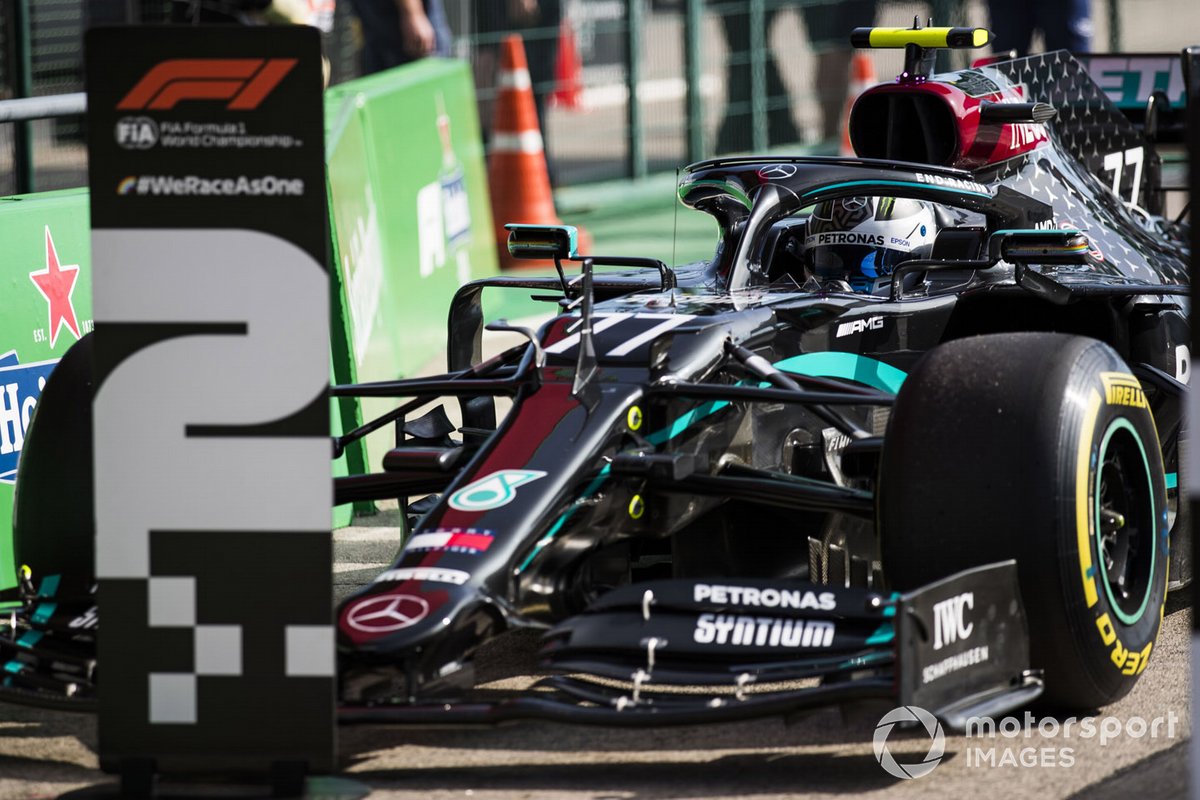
[(213, 489)]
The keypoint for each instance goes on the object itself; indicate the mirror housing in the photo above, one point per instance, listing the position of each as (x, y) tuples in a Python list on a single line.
[(542, 241), (1040, 247)]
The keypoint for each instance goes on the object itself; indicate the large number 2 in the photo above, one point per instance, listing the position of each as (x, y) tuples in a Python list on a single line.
[(147, 469), (1116, 163), (149, 474)]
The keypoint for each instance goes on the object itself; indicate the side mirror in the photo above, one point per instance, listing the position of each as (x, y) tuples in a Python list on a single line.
[(542, 241), (1040, 247)]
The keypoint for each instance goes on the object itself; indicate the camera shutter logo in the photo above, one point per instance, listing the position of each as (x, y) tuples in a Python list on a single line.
[(926, 721)]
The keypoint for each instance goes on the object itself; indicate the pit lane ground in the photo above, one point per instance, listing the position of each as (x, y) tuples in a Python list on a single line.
[(825, 754)]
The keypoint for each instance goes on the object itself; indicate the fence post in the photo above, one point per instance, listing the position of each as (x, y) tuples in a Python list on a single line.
[(1114, 26), (758, 75), (633, 71), (22, 72), (692, 29)]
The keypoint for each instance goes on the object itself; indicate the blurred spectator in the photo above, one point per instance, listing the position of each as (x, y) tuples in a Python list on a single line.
[(734, 133), (828, 26), (538, 22), (829, 29), (396, 32), (1065, 24)]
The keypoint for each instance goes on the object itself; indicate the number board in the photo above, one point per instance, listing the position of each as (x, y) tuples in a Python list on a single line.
[(212, 449)]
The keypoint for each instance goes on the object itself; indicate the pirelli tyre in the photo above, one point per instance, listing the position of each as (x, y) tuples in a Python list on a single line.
[(1038, 447)]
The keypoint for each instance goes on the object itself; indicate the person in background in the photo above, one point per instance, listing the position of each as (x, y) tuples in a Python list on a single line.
[(396, 32), (828, 25), (1065, 24), (735, 133), (538, 23), (829, 29)]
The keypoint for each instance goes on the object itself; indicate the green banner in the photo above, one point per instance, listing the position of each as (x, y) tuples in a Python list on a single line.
[(412, 220), (46, 280)]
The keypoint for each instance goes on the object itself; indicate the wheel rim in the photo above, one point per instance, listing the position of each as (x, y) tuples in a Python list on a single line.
[(1125, 521)]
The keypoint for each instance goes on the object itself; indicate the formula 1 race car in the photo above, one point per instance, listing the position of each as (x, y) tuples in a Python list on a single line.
[(913, 395)]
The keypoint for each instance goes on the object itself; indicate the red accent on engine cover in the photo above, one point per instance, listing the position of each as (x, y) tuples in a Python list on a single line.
[(937, 122)]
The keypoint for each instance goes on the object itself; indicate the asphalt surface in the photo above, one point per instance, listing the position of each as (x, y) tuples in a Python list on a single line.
[(826, 754)]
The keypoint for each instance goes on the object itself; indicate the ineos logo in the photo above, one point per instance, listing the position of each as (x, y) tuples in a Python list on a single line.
[(392, 612), (777, 172)]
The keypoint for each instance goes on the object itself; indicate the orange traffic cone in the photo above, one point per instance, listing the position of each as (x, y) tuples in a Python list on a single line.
[(517, 176), (862, 77), (568, 70)]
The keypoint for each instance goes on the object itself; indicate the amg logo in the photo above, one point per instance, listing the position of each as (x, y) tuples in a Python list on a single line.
[(767, 598), (1122, 389), (859, 325), (949, 620), (762, 631)]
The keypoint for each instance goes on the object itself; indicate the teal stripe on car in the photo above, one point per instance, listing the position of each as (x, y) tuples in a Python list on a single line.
[(849, 366), (30, 638), (897, 183), (883, 634), (1172, 480), (49, 586), (44, 612)]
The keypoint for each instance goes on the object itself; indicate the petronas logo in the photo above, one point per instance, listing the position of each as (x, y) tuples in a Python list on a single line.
[(493, 491)]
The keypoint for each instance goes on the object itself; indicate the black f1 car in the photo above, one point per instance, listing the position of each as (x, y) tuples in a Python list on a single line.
[(930, 463)]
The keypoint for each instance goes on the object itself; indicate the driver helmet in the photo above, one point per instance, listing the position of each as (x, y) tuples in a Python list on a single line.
[(862, 239)]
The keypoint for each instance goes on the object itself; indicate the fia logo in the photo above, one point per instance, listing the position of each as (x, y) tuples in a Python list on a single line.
[(137, 133), (949, 620)]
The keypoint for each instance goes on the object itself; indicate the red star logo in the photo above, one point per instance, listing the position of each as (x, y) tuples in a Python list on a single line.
[(57, 283)]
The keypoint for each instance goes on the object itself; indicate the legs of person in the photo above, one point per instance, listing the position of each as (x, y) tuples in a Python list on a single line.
[(734, 133), (382, 46), (1012, 23), (436, 11), (829, 29), (781, 126), (1066, 24)]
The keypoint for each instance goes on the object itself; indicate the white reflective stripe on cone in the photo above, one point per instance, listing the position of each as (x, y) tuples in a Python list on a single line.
[(514, 79), (523, 142)]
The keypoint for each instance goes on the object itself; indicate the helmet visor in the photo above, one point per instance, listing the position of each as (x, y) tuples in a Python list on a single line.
[(851, 260)]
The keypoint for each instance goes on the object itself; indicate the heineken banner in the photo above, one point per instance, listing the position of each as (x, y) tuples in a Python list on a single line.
[(46, 277), (212, 449)]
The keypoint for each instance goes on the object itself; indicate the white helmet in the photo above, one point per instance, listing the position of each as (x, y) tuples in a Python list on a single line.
[(862, 239)]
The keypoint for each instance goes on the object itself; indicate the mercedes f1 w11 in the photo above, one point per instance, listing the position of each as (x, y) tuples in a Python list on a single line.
[(911, 435)]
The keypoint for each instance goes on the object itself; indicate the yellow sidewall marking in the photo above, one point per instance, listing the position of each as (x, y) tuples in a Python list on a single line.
[(1083, 519)]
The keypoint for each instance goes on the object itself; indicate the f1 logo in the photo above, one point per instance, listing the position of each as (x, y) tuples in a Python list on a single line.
[(244, 82)]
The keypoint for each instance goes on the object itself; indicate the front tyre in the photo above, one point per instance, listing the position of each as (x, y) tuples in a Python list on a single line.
[(1038, 447)]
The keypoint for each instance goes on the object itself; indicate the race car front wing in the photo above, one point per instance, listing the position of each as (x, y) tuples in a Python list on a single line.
[(680, 652)]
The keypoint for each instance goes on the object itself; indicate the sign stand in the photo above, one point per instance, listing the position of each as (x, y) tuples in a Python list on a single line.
[(212, 454)]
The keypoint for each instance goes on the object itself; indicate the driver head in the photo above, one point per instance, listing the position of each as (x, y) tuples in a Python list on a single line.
[(863, 239)]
